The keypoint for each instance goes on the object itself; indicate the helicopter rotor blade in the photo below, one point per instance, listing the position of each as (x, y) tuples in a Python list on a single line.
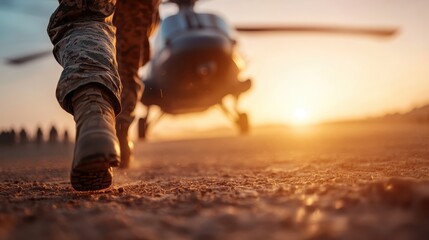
[(27, 58), (376, 32)]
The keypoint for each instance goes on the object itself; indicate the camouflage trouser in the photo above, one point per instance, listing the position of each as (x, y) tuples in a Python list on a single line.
[(135, 20), (83, 33)]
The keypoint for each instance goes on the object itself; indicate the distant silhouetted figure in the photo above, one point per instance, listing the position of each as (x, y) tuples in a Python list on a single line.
[(8, 137), (23, 137), (39, 136), (66, 137), (53, 135), (3, 138), (12, 137)]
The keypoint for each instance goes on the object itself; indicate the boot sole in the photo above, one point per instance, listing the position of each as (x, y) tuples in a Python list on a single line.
[(95, 176)]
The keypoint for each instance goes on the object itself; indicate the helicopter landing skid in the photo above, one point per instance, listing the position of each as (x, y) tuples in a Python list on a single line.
[(143, 123), (240, 119)]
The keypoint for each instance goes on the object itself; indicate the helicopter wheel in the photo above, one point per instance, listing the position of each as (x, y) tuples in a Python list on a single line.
[(142, 128), (243, 123)]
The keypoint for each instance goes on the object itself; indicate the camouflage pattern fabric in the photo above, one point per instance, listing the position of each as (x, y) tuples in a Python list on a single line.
[(83, 34), (135, 20), (84, 44)]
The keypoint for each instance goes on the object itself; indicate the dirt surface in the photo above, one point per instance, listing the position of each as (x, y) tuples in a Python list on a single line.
[(330, 182)]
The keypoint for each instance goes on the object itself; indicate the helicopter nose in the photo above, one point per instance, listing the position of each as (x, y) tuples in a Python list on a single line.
[(206, 69)]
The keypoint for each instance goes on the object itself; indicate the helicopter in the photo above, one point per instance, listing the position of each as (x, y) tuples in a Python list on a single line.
[(194, 67), (196, 63)]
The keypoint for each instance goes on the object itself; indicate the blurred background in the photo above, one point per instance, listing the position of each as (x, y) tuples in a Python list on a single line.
[(299, 79)]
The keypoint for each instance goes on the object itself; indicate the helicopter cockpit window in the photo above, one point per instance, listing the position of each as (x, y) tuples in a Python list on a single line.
[(175, 25), (213, 21), (172, 26)]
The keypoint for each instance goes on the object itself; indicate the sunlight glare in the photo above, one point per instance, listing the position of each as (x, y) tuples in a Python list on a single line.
[(300, 116)]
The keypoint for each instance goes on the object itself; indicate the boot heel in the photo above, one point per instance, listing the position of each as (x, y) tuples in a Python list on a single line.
[(91, 181)]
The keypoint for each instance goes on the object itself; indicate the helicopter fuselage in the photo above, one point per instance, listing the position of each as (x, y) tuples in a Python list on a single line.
[(195, 63)]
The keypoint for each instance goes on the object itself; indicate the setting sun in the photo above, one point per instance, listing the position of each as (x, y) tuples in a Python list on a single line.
[(300, 116)]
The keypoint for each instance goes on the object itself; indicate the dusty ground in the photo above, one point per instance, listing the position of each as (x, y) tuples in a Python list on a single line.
[(331, 182)]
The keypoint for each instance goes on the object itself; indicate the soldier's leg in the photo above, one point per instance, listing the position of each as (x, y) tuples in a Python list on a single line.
[(89, 86), (134, 20)]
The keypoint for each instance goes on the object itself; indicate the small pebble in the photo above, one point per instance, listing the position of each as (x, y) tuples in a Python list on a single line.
[(121, 190)]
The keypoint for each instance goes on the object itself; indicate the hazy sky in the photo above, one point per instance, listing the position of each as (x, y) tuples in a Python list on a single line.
[(322, 77)]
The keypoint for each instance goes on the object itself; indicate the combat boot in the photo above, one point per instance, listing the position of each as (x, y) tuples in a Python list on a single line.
[(97, 147), (126, 145)]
